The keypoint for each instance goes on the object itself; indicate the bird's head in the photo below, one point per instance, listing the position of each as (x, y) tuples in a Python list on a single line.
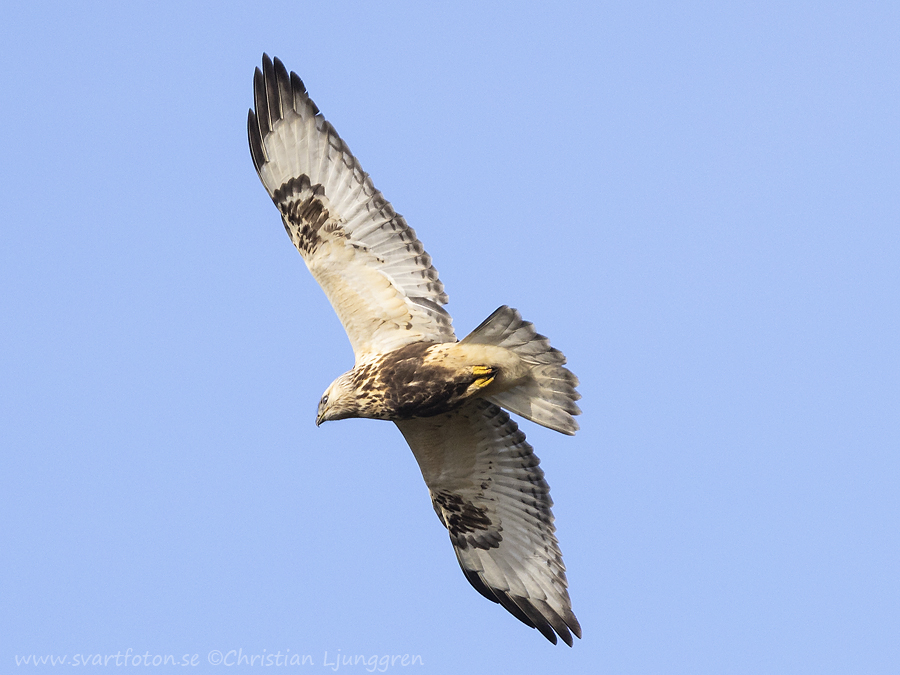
[(339, 401)]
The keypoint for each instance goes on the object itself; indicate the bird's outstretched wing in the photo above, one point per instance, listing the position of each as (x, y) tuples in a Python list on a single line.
[(374, 271), (490, 494)]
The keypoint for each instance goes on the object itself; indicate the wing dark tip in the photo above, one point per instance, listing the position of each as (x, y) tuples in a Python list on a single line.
[(536, 614), (270, 88), (257, 149), (275, 92), (300, 94), (260, 103), (283, 84)]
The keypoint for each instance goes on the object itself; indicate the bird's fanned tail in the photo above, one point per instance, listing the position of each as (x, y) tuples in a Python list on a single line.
[(548, 395)]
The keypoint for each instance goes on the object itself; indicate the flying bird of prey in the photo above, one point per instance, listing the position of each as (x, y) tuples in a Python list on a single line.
[(446, 396)]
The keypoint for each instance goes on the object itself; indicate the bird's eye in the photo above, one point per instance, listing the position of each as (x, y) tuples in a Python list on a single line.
[(324, 400)]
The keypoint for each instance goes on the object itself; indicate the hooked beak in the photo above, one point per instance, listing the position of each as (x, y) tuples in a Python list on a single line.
[(319, 419)]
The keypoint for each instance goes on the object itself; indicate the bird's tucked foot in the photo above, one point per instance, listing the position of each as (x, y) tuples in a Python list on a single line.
[(484, 375)]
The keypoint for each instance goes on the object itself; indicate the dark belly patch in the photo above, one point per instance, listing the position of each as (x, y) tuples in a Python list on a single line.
[(413, 389)]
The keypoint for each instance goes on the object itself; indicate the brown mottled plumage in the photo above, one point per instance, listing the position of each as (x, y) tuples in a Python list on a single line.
[(445, 396)]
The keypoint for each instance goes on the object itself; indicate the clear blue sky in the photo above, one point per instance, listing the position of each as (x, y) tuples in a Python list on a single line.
[(698, 202)]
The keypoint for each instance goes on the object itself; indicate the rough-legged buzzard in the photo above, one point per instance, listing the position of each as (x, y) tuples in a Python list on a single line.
[(446, 396)]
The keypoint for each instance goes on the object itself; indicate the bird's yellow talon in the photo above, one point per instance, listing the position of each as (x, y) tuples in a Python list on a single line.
[(482, 382)]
